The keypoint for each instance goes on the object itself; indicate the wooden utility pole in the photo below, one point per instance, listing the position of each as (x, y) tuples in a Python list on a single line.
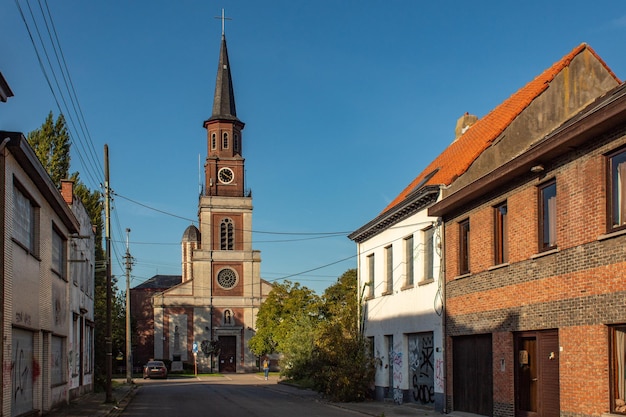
[(109, 332), (129, 360)]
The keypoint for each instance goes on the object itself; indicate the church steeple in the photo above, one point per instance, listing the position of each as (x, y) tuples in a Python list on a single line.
[(224, 97), (224, 169)]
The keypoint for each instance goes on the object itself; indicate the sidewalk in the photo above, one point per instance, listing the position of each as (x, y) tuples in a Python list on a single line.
[(371, 408), (94, 405)]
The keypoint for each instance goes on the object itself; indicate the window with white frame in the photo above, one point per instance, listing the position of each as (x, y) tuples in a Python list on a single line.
[(617, 190), (225, 144), (409, 260), (388, 269), (428, 236)]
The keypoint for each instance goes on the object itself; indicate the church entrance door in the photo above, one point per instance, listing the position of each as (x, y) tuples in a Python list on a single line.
[(228, 354)]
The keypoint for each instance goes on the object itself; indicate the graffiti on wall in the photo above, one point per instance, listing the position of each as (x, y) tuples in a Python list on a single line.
[(421, 367), (22, 372), (395, 361)]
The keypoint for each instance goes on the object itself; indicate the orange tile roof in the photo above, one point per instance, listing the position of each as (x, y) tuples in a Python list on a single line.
[(458, 157)]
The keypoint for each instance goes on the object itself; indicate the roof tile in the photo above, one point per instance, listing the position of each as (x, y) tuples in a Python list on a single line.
[(461, 153)]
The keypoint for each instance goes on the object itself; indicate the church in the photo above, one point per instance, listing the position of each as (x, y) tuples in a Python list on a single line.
[(209, 315)]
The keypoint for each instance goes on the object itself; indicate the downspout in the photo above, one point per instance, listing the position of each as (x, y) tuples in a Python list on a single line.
[(444, 314), (2, 249)]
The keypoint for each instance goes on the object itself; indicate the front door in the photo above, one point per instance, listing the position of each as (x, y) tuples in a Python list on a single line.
[(537, 374), (228, 354)]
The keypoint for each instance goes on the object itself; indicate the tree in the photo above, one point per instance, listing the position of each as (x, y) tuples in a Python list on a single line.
[(319, 337), (51, 144), (344, 369), (285, 306)]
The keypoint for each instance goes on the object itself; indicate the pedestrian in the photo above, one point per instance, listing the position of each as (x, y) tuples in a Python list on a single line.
[(266, 367)]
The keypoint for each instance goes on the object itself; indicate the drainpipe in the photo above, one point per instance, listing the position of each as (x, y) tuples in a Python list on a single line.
[(2, 274)]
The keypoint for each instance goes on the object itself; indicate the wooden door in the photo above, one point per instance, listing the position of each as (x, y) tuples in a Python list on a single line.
[(228, 354), (537, 374), (472, 377)]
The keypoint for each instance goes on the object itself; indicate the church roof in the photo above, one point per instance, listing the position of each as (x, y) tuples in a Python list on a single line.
[(160, 282), (458, 157), (191, 234), (224, 97)]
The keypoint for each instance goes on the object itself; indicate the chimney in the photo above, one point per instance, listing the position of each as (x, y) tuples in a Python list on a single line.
[(67, 191), (463, 124)]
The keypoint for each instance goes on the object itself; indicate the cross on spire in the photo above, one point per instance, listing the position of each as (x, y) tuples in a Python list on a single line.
[(223, 19)]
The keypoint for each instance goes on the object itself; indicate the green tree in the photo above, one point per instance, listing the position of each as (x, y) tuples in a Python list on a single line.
[(286, 304), (344, 370), (51, 143)]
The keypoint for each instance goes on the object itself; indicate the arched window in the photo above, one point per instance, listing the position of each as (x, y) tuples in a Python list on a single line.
[(213, 141), (227, 235), (236, 143), (225, 141)]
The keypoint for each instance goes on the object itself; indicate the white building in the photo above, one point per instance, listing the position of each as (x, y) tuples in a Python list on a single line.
[(399, 278), (81, 295), (36, 225)]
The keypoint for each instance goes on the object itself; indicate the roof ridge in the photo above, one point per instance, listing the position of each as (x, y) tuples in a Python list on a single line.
[(464, 150)]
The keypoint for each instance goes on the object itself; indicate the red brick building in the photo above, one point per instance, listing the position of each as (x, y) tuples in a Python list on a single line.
[(535, 253)]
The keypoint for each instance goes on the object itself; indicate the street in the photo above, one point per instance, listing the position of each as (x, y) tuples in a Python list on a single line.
[(236, 395)]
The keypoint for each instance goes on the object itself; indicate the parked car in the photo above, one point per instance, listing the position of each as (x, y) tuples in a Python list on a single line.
[(155, 369)]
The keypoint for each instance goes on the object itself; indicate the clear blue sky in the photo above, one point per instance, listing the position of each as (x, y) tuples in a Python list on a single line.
[(345, 102)]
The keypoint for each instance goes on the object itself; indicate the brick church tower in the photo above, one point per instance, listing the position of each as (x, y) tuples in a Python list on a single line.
[(215, 305)]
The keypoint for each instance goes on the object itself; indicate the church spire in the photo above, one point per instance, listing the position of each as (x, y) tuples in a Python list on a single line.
[(224, 96)]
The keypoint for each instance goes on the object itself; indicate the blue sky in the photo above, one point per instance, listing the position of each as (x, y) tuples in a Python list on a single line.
[(345, 102)]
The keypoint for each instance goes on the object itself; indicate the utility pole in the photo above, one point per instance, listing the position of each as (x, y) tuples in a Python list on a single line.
[(129, 265), (109, 332)]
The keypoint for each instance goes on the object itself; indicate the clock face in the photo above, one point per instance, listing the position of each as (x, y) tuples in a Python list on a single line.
[(226, 175)]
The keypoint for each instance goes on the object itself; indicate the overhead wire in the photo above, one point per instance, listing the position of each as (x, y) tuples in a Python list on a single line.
[(58, 94)]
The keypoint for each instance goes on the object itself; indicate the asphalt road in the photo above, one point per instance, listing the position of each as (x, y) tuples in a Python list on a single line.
[(247, 395)]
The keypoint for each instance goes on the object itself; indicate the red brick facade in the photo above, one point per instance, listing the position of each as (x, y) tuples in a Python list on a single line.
[(578, 289)]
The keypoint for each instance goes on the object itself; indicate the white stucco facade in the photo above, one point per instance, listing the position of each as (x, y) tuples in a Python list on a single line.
[(400, 284)]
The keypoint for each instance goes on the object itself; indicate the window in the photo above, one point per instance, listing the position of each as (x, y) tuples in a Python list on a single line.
[(617, 187), (429, 254), (370, 271), (213, 141), (225, 141), (236, 143), (464, 234), (24, 221), (88, 353), (617, 368), (547, 216), (389, 269), (227, 278), (59, 253), (227, 234), (501, 237), (58, 363), (408, 256)]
